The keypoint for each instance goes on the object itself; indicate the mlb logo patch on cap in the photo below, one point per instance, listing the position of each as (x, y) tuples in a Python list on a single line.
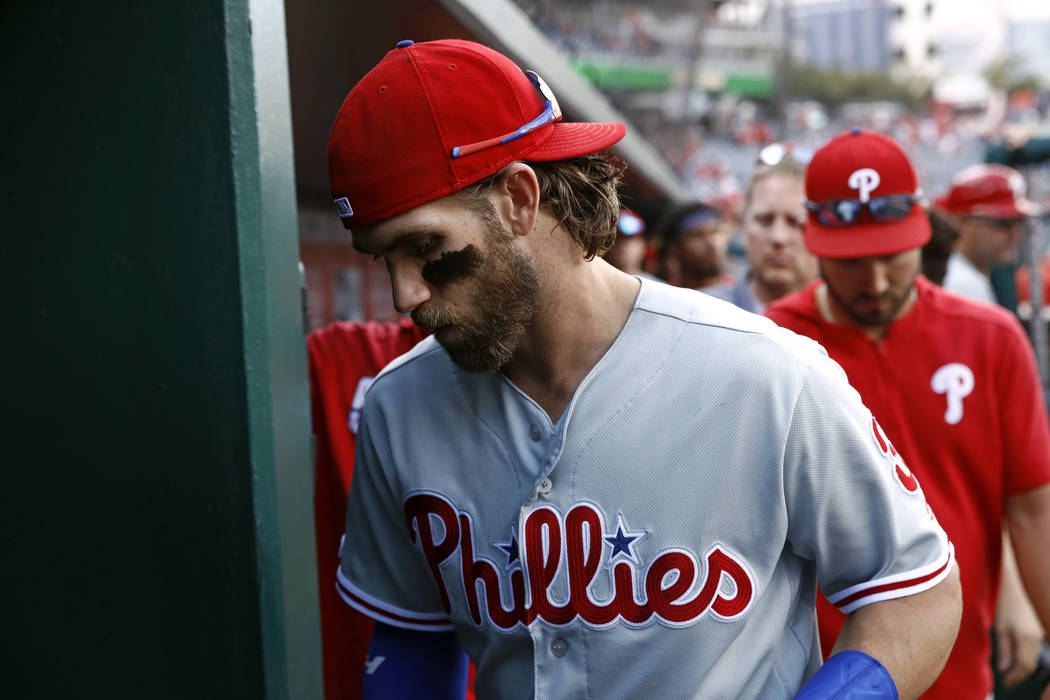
[(343, 205)]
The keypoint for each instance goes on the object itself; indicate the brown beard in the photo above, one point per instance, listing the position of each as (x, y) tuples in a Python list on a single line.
[(504, 301), (873, 319)]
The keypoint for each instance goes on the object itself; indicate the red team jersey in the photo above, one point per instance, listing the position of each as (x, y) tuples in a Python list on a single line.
[(953, 383), (344, 357)]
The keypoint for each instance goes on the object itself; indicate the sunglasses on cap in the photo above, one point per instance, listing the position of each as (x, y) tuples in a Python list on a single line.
[(774, 153), (551, 113), (846, 212)]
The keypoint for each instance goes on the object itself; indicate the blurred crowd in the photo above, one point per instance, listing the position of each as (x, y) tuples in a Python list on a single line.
[(741, 239)]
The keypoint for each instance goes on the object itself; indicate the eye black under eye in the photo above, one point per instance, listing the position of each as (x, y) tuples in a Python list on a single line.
[(451, 266)]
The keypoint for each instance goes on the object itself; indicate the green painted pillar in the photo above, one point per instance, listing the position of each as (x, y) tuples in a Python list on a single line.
[(156, 526)]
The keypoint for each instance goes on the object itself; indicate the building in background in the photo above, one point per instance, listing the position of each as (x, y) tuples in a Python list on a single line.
[(968, 38), (851, 36), (912, 41), (1028, 42)]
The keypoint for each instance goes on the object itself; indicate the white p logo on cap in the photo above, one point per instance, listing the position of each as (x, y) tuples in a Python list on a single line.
[(343, 205), (864, 180)]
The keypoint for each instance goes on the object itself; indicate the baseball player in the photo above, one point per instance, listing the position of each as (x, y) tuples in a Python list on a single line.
[(952, 381), (597, 485), (990, 208)]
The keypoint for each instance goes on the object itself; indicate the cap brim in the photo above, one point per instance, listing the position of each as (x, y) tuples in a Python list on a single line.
[(868, 239), (1018, 209), (572, 139)]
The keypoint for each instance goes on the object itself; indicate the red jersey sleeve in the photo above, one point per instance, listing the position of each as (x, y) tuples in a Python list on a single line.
[(1025, 426), (343, 358)]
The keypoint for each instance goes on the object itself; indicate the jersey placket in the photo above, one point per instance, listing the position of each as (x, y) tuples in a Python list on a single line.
[(557, 651), (874, 366)]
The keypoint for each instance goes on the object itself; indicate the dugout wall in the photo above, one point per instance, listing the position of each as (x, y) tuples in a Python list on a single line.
[(157, 506)]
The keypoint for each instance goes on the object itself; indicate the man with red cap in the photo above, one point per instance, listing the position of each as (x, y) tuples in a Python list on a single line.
[(953, 382), (596, 484), (988, 202)]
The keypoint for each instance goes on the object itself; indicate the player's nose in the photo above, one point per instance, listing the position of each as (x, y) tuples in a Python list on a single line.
[(877, 278), (410, 290)]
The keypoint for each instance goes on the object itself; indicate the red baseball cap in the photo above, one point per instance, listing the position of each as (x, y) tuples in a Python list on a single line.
[(437, 116), (862, 166), (993, 191)]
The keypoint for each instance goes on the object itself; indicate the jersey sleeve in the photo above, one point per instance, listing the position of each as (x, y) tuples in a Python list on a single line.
[(1024, 423), (382, 573), (853, 506)]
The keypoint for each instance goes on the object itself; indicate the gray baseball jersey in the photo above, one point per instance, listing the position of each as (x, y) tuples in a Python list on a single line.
[(664, 538)]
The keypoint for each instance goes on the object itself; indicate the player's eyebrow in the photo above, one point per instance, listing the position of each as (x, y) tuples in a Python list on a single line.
[(404, 238)]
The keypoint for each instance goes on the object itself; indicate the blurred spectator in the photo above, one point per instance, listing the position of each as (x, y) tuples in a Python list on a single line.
[(935, 254), (774, 215), (990, 206), (693, 247), (631, 248)]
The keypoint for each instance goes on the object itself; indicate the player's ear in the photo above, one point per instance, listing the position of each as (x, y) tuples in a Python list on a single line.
[(518, 198)]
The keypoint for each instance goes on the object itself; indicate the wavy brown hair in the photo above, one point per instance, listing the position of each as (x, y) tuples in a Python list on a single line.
[(581, 193)]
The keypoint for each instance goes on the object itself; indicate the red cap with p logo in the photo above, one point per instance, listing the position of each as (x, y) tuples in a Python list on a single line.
[(435, 117), (860, 168)]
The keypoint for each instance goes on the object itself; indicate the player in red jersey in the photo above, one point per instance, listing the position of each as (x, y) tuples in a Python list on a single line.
[(952, 381), (344, 358)]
